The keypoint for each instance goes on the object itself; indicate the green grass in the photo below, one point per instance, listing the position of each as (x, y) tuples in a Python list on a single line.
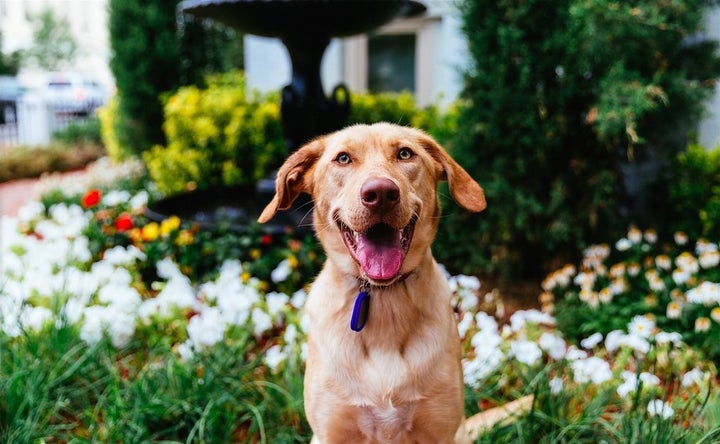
[(55, 388)]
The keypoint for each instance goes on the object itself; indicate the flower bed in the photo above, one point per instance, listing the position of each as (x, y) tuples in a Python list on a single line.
[(163, 331)]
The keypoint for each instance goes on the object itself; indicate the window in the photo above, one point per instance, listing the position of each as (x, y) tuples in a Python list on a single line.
[(391, 63)]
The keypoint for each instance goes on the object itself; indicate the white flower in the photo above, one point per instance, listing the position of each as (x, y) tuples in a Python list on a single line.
[(291, 334), (207, 328), (591, 341), (525, 351), (30, 211), (276, 302), (658, 407), (274, 356), (138, 201), (298, 299), (592, 369), (693, 377), (556, 385), (281, 272), (707, 293), (553, 344), (115, 197), (522, 317), (641, 326), (465, 324), (623, 245), (34, 318), (668, 337), (261, 321), (631, 382)]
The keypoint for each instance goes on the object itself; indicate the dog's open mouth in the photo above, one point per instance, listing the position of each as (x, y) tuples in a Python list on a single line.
[(380, 251)]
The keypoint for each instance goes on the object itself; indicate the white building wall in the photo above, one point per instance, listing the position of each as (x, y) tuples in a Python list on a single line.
[(709, 128)]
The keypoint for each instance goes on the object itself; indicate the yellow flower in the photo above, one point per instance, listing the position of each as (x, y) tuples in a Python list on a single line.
[(293, 262), (169, 225), (255, 254), (150, 232), (245, 277), (715, 314), (185, 237), (702, 324)]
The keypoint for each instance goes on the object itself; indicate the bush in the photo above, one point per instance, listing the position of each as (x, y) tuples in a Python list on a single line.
[(688, 192), (151, 58), (217, 136), (671, 286), (559, 94), (221, 135), (79, 132), (26, 162)]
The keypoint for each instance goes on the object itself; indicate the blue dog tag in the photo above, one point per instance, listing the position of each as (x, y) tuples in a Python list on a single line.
[(360, 311)]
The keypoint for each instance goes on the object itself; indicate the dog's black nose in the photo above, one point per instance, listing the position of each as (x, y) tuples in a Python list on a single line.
[(380, 194)]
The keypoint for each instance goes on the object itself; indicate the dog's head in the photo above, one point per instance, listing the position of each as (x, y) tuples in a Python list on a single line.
[(374, 189)]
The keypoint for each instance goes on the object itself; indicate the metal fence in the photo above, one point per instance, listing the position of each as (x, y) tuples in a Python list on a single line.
[(32, 120)]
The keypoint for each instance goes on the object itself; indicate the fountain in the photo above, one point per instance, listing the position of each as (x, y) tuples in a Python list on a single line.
[(305, 27)]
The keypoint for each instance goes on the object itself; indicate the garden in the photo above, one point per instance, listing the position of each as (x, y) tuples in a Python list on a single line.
[(115, 327)]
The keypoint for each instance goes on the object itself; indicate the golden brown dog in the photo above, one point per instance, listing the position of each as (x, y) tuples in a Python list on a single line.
[(383, 348)]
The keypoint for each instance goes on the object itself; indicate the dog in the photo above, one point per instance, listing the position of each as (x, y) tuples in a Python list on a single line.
[(383, 362)]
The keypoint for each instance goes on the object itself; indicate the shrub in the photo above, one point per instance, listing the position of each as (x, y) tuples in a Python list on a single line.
[(218, 135), (80, 131), (222, 135), (559, 94), (688, 193), (672, 286), (151, 58), (26, 162)]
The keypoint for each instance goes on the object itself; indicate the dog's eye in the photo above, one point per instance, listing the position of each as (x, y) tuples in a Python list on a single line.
[(405, 154), (343, 159)]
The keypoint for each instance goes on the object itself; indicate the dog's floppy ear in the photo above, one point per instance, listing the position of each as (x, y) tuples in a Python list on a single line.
[(292, 178), (463, 188)]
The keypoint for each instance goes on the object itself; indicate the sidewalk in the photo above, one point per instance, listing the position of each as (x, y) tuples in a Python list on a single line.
[(16, 193)]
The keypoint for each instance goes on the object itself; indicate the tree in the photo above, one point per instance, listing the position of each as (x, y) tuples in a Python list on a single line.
[(561, 94), (53, 42), (151, 58), (9, 63)]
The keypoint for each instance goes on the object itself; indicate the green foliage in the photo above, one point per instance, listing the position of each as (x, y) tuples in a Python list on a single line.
[(559, 94), (642, 277), (53, 43), (222, 135), (111, 122), (217, 136), (688, 192), (150, 58), (9, 63), (79, 132), (25, 162)]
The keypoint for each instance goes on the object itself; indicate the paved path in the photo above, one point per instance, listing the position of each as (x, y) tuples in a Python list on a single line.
[(16, 193)]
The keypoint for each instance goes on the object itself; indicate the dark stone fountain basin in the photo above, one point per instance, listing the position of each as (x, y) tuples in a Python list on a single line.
[(235, 208), (288, 18)]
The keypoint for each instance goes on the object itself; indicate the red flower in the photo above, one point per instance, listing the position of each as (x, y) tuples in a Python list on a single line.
[(124, 222), (266, 239), (91, 198)]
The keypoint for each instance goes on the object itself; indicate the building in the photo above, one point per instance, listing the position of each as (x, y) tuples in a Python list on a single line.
[(423, 54)]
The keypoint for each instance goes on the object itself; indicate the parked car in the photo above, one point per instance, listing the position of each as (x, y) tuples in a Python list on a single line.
[(74, 94), (10, 93)]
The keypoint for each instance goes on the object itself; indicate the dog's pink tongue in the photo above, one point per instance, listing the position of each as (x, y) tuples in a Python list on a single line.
[(380, 255)]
